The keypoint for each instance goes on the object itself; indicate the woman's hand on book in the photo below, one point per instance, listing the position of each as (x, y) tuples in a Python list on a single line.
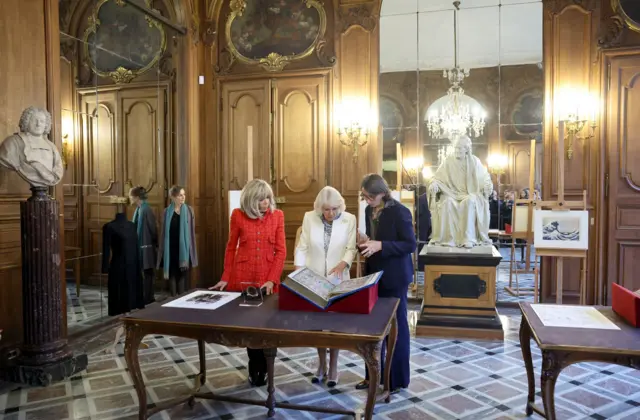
[(370, 247), (338, 270), (220, 286), (268, 287)]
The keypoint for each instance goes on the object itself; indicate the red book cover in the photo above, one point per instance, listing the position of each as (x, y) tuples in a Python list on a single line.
[(626, 303), (361, 302)]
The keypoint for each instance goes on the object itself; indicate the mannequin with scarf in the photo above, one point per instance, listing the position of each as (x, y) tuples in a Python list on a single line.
[(177, 246), (145, 222), (458, 199)]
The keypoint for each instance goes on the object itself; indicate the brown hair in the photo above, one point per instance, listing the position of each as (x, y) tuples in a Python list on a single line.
[(374, 184), (175, 190), (139, 192)]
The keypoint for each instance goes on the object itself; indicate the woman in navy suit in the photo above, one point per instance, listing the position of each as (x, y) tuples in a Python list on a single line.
[(389, 244)]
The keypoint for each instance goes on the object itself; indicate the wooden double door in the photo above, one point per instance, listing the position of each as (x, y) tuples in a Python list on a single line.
[(277, 129), (622, 177), (125, 142)]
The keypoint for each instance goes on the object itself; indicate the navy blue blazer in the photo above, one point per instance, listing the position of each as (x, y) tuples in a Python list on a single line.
[(395, 231)]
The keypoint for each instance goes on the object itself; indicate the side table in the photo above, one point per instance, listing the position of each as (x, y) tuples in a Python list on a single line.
[(562, 347)]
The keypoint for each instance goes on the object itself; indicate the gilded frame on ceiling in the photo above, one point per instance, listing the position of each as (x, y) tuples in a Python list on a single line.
[(143, 37), (273, 33)]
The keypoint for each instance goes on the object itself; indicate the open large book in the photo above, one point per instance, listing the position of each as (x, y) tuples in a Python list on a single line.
[(321, 291)]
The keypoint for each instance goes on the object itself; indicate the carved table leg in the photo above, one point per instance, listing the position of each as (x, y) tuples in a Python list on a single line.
[(391, 346), (270, 354), (370, 352), (203, 362), (551, 368), (134, 337), (525, 346)]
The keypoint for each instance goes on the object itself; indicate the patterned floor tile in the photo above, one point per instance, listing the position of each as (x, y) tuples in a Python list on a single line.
[(450, 379)]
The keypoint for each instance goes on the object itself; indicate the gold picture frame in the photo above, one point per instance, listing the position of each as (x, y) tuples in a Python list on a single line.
[(274, 61), (632, 23), (122, 74)]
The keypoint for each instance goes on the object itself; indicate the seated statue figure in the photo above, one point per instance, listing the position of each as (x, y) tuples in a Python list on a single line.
[(30, 152), (458, 199)]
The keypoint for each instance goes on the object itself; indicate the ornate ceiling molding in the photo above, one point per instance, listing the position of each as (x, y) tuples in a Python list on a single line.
[(362, 15), (611, 32)]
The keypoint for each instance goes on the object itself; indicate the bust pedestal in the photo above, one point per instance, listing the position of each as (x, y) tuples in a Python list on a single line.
[(44, 357), (460, 293)]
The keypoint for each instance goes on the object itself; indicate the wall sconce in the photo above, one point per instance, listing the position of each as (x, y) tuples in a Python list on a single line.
[(497, 164), (66, 150), (578, 110), (574, 126), (353, 123), (413, 166)]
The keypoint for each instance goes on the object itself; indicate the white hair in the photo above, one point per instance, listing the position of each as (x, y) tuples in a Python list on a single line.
[(252, 194), (329, 196), (463, 141)]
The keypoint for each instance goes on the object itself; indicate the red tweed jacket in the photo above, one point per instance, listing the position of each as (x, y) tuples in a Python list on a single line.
[(256, 250)]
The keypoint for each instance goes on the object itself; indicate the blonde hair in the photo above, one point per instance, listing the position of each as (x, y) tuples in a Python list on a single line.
[(253, 193), (331, 197)]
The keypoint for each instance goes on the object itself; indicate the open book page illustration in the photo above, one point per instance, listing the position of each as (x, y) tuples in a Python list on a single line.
[(321, 291)]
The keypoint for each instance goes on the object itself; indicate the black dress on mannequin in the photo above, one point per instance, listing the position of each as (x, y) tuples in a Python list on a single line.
[(120, 241)]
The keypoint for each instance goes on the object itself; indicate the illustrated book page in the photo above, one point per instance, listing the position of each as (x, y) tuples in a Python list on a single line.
[(203, 299), (322, 291), (564, 316)]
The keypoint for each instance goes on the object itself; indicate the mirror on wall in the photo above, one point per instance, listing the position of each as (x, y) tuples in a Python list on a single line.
[(117, 90), (472, 67)]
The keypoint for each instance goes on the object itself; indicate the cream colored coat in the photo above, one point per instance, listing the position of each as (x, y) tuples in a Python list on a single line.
[(342, 246)]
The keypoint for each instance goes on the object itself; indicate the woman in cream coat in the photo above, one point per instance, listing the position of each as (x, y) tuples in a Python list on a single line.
[(327, 246)]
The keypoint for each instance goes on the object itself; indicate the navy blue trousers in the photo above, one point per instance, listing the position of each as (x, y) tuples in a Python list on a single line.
[(400, 369)]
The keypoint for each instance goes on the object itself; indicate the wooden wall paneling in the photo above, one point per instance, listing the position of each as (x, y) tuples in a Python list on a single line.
[(571, 63), (71, 190), (123, 145), (519, 162), (29, 78), (358, 45), (622, 129), (299, 147), (244, 104)]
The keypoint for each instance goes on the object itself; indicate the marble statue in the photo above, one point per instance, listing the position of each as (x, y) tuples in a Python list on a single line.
[(30, 153), (459, 199)]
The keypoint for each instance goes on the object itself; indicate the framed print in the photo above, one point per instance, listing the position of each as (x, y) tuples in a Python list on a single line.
[(561, 229)]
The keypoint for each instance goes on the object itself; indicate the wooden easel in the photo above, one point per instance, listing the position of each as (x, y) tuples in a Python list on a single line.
[(527, 235), (562, 205)]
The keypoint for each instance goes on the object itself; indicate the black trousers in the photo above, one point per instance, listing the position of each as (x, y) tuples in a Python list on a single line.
[(149, 275), (257, 362), (178, 281)]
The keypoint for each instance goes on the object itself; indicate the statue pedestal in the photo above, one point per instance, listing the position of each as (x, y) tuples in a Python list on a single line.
[(460, 293), (45, 357)]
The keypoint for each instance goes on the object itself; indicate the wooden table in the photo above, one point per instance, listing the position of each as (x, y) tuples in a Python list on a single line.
[(74, 252), (562, 347), (268, 328)]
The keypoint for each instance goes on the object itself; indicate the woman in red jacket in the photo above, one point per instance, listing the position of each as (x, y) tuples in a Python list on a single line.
[(255, 254)]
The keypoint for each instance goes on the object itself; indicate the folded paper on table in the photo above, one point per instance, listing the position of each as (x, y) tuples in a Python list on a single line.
[(322, 292), (626, 304), (567, 316)]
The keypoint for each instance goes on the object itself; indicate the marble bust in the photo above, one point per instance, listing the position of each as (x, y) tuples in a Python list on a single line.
[(30, 153), (459, 199)]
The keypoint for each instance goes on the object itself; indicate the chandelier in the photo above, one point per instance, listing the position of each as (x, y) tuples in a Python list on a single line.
[(455, 114)]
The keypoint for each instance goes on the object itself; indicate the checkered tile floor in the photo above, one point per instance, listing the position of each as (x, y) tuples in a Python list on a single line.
[(451, 379)]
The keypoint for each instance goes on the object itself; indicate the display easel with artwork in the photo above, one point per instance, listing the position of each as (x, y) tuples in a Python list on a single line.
[(522, 229), (561, 228)]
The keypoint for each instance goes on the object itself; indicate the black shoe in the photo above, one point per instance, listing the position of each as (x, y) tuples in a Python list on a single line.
[(363, 385), (258, 379)]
